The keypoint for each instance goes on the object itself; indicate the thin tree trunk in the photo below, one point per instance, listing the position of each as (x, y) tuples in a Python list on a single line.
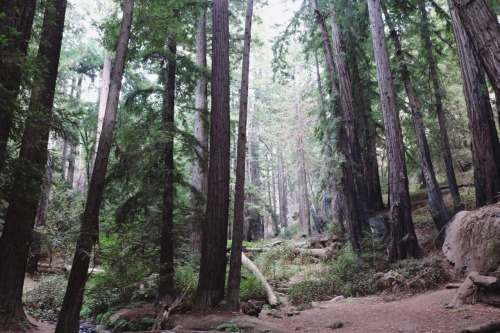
[(282, 191), (213, 255), (19, 15), (233, 287), (28, 177), (103, 98), (445, 142), (438, 209), (43, 206), (89, 232), (200, 166), (166, 287), (70, 179), (403, 241), (483, 29), (64, 158), (255, 219), (484, 138)]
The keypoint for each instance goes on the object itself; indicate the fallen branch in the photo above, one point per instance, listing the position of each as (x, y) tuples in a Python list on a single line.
[(271, 297), (491, 326)]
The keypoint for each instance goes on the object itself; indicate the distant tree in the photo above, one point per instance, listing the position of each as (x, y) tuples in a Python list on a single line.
[(17, 233), (403, 241), (70, 311), (211, 280)]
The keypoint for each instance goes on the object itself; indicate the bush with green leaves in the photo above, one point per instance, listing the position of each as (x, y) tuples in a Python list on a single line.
[(277, 262), (45, 300), (251, 287)]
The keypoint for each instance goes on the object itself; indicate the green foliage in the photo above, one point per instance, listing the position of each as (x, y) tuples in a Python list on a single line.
[(251, 287), (45, 300), (277, 262), (185, 280), (347, 275), (229, 326)]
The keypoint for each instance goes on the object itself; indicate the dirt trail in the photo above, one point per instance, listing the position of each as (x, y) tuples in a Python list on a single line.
[(422, 313)]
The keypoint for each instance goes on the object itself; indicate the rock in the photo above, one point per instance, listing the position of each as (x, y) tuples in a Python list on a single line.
[(252, 308), (275, 313), (335, 325), (338, 299), (472, 240)]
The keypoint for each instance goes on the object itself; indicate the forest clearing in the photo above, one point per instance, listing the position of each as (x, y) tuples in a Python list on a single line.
[(277, 166)]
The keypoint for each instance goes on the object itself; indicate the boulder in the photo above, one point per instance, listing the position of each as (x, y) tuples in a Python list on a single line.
[(472, 240)]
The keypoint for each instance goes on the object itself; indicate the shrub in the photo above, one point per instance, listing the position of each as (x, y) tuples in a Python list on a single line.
[(185, 280), (251, 287), (45, 300)]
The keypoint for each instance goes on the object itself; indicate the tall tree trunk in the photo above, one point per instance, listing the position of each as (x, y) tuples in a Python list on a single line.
[(438, 209), (103, 98), (166, 287), (213, 255), (43, 206), (484, 138), (481, 24), (443, 133), (349, 116), (27, 179), (199, 177), (89, 232), (369, 154), (234, 281), (403, 241), (348, 191), (19, 15), (255, 220)]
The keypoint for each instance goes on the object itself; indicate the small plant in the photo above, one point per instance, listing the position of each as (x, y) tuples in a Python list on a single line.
[(251, 287), (45, 301)]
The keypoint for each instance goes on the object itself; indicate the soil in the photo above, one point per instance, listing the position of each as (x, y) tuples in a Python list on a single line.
[(422, 313)]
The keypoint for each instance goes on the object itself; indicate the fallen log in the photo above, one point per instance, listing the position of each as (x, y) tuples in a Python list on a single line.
[(463, 295), (488, 282), (271, 297), (491, 326), (318, 253)]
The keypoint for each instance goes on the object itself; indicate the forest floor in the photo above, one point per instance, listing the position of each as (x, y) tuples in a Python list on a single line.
[(421, 313)]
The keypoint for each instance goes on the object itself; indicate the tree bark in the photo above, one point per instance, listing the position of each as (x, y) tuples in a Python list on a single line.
[(255, 220), (443, 133), (438, 209), (89, 232), (166, 287), (19, 15), (483, 29), (234, 281), (349, 116), (282, 191), (403, 241), (200, 165), (213, 255), (28, 177), (484, 138)]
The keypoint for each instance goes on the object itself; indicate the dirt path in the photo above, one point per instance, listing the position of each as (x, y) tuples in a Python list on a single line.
[(422, 313)]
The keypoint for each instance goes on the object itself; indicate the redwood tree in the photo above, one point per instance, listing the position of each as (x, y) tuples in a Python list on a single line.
[(484, 137), (89, 232), (403, 241), (211, 280), (17, 232)]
